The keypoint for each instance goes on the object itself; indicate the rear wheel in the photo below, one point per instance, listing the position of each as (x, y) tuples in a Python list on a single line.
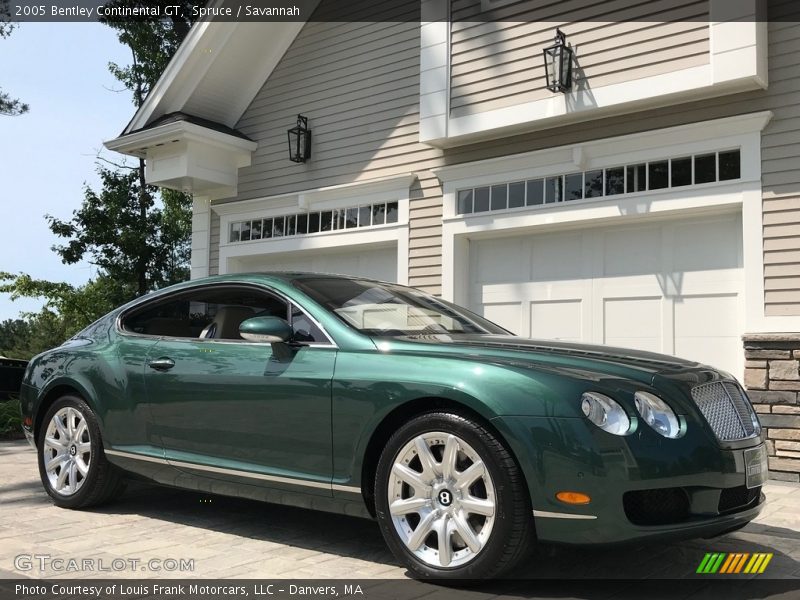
[(451, 500), (72, 465)]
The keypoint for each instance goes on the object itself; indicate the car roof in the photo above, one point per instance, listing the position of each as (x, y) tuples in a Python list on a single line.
[(285, 277)]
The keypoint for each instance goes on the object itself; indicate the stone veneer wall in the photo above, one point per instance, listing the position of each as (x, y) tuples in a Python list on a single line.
[(772, 379)]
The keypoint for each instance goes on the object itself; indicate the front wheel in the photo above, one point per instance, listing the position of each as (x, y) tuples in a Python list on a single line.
[(451, 500), (72, 465)]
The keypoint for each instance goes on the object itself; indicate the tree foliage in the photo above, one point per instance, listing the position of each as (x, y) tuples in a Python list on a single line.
[(152, 44), (67, 310), (139, 239), (139, 245), (137, 236), (8, 106)]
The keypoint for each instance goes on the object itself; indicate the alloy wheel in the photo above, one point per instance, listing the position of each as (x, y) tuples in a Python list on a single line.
[(441, 499), (67, 451)]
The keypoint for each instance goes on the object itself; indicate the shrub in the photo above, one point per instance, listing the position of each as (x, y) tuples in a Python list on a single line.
[(10, 418)]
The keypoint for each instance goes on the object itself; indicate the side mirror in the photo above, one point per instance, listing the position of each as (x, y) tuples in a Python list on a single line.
[(265, 329)]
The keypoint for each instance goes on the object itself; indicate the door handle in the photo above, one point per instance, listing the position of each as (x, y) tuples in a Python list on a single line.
[(161, 364)]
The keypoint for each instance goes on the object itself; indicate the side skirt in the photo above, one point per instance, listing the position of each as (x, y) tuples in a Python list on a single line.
[(347, 500)]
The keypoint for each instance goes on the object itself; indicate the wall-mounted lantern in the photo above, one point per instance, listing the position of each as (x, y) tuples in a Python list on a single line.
[(300, 141), (558, 64)]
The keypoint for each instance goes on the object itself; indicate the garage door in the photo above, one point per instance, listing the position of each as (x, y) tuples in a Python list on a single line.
[(673, 287), (377, 263)]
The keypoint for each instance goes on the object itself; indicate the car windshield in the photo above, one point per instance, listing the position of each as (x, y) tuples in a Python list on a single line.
[(382, 309)]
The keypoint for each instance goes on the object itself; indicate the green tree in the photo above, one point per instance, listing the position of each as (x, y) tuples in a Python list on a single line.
[(67, 310), (139, 245), (152, 44), (11, 332), (138, 237), (8, 105)]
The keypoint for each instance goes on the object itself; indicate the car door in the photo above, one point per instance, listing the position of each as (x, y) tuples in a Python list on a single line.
[(231, 409)]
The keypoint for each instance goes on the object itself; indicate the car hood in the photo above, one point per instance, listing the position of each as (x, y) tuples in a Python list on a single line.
[(607, 360)]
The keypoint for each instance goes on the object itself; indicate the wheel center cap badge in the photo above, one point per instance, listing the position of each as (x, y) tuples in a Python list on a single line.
[(73, 450), (445, 497)]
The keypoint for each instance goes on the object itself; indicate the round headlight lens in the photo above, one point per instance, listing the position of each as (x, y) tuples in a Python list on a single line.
[(657, 414), (605, 413)]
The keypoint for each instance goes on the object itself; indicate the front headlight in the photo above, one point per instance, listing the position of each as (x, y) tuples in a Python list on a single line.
[(605, 413), (657, 414)]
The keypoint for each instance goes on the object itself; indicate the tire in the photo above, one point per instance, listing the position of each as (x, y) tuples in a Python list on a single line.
[(65, 482), (484, 520)]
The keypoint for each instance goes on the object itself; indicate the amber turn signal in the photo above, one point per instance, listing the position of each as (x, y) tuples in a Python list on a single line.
[(573, 498)]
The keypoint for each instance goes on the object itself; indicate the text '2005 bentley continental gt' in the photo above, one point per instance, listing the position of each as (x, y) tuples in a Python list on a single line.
[(466, 443)]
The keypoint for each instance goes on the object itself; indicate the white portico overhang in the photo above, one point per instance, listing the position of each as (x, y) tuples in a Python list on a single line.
[(190, 157), (184, 129)]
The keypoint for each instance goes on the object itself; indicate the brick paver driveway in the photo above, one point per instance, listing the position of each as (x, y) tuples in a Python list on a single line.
[(229, 537)]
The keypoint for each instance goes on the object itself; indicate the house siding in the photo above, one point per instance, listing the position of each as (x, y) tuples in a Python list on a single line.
[(359, 85), (499, 63)]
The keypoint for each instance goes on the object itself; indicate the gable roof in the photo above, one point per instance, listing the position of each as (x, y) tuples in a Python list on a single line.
[(217, 71), (177, 117)]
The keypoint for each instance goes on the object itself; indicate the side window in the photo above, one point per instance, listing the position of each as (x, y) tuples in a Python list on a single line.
[(305, 330), (208, 313), (171, 317)]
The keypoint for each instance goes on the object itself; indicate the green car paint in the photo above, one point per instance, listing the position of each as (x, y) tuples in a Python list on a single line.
[(240, 418)]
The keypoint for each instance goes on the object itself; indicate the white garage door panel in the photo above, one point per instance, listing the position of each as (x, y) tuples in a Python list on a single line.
[(570, 264), (673, 287), (703, 332), (559, 319), (498, 262), (376, 263), (633, 323), (706, 246), (505, 314), (630, 253)]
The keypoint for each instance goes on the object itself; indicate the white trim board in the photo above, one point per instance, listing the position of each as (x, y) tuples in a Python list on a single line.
[(316, 198), (737, 61)]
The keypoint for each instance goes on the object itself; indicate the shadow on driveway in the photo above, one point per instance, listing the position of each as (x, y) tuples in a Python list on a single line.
[(359, 538)]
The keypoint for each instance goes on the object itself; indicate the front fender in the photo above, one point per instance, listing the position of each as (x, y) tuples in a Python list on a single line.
[(368, 386)]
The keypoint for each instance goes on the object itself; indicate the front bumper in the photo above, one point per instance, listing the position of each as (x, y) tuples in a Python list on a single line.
[(641, 486)]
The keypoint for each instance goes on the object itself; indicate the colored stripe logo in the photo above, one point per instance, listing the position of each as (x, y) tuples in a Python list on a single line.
[(734, 563)]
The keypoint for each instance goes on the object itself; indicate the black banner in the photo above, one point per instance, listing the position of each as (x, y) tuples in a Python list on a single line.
[(401, 10), (394, 589)]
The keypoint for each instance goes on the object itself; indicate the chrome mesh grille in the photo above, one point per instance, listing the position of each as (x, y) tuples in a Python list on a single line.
[(726, 409)]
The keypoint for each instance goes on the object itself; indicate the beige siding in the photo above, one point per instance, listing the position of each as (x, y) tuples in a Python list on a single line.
[(358, 83), (362, 102), (499, 63)]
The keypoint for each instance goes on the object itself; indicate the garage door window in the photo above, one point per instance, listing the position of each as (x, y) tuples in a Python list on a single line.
[(354, 217), (597, 183)]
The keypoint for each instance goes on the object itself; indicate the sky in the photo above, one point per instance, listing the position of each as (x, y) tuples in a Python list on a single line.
[(49, 154)]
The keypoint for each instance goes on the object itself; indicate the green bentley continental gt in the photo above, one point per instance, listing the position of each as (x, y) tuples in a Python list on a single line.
[(466, 443)]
